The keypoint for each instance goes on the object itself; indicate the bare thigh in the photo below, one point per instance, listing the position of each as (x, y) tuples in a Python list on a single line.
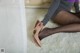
[(65, 18)]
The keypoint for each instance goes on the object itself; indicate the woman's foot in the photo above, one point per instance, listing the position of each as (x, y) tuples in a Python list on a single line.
[(44, 33)]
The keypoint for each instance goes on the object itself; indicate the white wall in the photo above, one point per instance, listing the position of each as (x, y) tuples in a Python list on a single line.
[(12, 26)]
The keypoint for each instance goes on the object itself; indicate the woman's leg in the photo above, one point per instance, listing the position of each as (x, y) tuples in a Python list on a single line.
[(65, 18), (68, 22)]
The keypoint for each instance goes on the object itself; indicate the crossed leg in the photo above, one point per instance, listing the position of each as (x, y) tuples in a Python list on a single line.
[(68, 23)]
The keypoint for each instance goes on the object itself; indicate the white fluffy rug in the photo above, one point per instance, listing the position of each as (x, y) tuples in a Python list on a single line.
[(56, 43)]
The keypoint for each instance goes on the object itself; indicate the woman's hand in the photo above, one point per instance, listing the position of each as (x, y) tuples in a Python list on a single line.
[(38, 27)]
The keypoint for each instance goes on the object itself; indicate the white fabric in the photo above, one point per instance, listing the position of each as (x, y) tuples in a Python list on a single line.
[(11, 26)]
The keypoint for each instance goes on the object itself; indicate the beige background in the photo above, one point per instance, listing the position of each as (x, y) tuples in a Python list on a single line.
[(37, 2)]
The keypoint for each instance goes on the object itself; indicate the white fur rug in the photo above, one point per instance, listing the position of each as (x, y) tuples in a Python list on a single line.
[(56, 43)]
